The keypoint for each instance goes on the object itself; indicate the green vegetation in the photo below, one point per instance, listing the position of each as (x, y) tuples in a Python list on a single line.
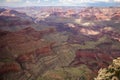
[(65, 54), (116, 45), (67, 73), (92, 44), (6, 60), (58, 37)]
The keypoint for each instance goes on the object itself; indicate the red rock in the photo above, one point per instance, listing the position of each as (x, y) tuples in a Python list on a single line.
[(9, 67), (94, 59)]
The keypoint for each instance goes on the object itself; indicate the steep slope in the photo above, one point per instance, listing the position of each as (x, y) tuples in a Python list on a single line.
[(64, 45), (13, 18), (32, 53), (94, 59), (21, 49)]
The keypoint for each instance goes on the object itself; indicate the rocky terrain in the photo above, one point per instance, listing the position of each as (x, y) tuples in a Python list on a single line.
[(111, 72), (57, 43), (13, 20), (95, 59)]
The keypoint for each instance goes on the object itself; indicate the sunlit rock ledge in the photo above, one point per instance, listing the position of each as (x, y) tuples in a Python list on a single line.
[(110, 73)]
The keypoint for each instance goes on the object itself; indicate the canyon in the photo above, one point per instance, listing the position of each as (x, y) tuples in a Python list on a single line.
[(57, 43)]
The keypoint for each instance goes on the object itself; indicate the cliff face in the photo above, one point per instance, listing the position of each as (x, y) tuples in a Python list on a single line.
[(26, 54), (94, 59), (13, 18), (21, 50), (59, 45), (116, 16)]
